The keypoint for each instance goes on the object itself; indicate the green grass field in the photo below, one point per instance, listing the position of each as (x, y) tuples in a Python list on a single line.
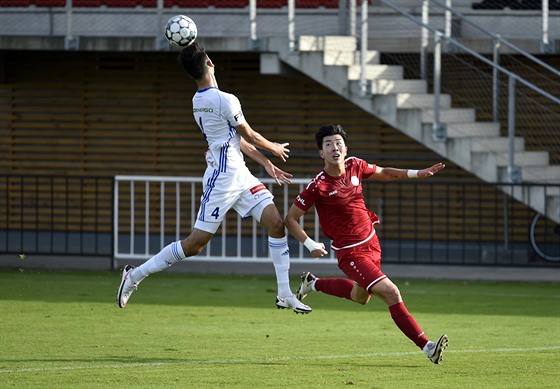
[(64, 330)]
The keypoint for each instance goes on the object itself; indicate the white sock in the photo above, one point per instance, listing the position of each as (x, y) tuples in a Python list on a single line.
[(170, 254), (426, 348), (280, 254)]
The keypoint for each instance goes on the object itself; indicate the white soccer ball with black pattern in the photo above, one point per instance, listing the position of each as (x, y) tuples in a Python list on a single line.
[(180, 31)]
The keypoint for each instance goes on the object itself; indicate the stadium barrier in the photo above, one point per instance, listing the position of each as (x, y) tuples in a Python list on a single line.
[(133, 217)]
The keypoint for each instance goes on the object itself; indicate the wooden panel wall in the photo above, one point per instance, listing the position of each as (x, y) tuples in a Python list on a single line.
[(103, 114)]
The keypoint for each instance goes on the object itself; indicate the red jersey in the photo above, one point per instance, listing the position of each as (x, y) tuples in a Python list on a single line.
[(340, 204)]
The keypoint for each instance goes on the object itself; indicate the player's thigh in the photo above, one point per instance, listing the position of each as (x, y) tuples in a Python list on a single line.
[(361, 264), (253, 201), (215, 202)]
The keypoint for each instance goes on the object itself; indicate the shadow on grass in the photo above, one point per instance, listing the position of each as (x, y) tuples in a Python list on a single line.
[(489, 298)]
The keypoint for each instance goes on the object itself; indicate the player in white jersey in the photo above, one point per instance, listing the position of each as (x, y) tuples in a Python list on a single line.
[(227, 183)]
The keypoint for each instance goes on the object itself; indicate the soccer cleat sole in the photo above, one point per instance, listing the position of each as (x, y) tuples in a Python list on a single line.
[(126, 272), (300, 296), (441, 345), (296, 310)]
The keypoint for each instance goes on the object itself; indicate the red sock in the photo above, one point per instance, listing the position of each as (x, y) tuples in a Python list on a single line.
[(339, 287), (406, 323)]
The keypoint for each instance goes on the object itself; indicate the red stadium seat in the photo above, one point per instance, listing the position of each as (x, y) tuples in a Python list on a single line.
[(187, 3), (50, 3), (129, 3), (15, 3), (86, 3), (272, 3), (316, 3), (230, 3)]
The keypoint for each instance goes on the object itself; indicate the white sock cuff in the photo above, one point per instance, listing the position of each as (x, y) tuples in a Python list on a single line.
[(177, 251), (277, 241)]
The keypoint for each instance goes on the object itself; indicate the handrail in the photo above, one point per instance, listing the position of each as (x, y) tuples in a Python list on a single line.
[(472, 52), (498, 38)]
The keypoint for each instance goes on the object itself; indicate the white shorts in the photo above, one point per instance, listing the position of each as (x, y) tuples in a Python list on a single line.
[(245, 193)]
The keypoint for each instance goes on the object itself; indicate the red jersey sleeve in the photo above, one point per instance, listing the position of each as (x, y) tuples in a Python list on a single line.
[(307, 197), (368, 169)]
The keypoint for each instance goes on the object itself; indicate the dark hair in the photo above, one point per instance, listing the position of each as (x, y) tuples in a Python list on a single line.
[(193, 59), (328, 130)]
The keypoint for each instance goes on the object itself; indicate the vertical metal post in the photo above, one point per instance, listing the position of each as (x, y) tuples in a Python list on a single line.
[(253, 19), (546, 44), (352, 17), (291, 25), (159, 39), (496, 82), (424, 40), (70, 42), (363, 49), (514, 174), (115, 223), (439, 130), (448, 19), (506, 221)]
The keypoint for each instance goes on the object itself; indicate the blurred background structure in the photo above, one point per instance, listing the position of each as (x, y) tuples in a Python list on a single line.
[(100, 156)]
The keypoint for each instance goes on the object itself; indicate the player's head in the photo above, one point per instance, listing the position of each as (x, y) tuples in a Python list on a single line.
[(194, 60), (328, 130)]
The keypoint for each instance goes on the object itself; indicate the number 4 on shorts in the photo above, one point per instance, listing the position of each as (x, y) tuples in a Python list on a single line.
[(216, 213)]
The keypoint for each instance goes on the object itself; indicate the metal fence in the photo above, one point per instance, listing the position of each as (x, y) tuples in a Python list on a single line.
[(133, 217)]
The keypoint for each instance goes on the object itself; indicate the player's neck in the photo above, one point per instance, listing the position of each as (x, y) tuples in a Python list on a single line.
[(335, 170), (207, 82)]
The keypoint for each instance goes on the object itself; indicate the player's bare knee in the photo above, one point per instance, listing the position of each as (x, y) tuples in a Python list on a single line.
[(393, 295), (361, 300), (191, 247), (359, 295), (274, 227)]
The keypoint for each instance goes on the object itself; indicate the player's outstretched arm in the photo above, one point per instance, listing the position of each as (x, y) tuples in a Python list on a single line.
[(393, 174), (291, 221), (278, 174), (254, 138)]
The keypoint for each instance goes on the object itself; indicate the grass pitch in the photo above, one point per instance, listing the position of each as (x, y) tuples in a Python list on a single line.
[(64, 330)]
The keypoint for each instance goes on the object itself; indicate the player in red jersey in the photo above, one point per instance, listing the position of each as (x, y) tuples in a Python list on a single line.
[(337, 195)]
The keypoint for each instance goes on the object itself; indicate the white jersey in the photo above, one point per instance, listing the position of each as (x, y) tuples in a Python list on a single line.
[(217, 114), (227, 182)]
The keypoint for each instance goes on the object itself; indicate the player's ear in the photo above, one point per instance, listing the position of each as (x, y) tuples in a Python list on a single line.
[(321, 154)]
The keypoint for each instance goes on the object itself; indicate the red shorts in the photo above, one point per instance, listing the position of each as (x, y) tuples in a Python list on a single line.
[(362, 263)]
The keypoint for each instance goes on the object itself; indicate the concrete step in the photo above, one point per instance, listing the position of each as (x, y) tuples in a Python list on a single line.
[(451, 115), (373, 72), (524, 158), (542, 174), (327, 43), (407, 100), (385, 87), (343, 57), (498, 144), (537, 197), (548, 174), (475, 129)]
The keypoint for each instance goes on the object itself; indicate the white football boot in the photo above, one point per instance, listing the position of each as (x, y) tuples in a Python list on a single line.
[(434, 350), (292, 303), (126, 287), (306, 286)]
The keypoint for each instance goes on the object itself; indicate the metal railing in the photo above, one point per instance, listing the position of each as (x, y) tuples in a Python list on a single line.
[(439, 128), (421, 222), (133, 217), (56, 215)]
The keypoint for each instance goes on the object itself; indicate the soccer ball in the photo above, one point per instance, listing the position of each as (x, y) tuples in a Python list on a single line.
[(180, 31)]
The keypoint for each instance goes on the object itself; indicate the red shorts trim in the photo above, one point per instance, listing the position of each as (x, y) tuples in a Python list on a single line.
[(362, 263)]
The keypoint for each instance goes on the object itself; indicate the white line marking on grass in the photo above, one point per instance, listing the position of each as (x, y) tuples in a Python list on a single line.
[(266, 360), (470, 293)]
